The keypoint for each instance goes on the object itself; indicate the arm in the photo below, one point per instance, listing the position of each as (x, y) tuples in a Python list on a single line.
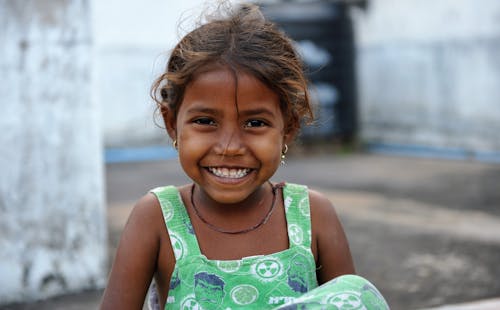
[(136, 257), (333, 257)]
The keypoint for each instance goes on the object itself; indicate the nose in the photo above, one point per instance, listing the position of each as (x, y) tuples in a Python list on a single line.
[(230, 142)]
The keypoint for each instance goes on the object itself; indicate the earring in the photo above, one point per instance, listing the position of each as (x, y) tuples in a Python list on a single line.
[(174, 144), (283, 152)]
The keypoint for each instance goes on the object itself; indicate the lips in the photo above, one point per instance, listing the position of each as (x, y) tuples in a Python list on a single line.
[(231, 173)]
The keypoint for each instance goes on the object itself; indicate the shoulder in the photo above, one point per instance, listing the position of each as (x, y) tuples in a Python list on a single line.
[(322, 211), (324, 219), (321, 206), (150, 205), (145, 221), (319, 203), (147, 208)]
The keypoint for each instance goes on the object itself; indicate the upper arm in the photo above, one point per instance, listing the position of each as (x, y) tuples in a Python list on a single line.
[(136, 257), (332, 249)]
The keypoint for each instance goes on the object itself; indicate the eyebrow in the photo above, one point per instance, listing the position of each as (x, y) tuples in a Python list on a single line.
[(203, 110), (245, 112), (257, 111)]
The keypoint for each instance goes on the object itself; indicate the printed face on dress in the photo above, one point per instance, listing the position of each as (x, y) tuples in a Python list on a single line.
[(209, 289), (230, 133)]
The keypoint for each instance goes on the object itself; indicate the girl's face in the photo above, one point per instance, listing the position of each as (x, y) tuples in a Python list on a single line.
[(230, 134)]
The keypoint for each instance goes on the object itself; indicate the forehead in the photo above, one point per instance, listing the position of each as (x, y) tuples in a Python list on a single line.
[(223, 85)]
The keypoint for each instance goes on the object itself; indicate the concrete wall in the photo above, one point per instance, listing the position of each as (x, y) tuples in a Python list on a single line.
[(52, 223), (429, 73), (133, 40)]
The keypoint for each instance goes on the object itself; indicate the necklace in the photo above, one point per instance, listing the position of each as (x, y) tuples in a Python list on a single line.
[(236, 232)]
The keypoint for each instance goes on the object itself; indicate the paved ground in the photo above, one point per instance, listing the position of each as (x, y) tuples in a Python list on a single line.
[(426, 232)]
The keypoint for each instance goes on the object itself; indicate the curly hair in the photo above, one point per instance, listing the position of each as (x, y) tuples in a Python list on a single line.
[(242, 40)]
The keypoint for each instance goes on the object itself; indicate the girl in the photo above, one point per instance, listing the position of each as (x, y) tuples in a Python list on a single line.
[(232, 98)]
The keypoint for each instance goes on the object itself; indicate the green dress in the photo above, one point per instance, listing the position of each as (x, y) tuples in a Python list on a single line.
[(280, 279)]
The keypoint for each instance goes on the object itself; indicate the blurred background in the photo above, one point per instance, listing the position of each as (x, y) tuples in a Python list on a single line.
[(386, 72), (405, 143)]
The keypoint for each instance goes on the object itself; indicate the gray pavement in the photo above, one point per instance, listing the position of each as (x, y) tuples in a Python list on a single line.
[(425, 232)]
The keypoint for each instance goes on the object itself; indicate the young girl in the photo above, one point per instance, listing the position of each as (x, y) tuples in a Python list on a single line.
[(232, 98)]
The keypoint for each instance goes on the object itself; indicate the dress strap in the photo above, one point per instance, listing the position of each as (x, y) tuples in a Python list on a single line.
[(177, 222), (298, 215)]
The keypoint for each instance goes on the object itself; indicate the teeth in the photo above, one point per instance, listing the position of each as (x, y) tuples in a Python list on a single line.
[(229, 173)]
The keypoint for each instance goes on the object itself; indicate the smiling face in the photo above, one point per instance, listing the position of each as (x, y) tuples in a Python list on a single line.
[(230, 133)]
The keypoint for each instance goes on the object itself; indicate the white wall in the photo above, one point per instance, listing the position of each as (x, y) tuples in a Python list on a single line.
[(132, 40), (429, 73), (52, 223)]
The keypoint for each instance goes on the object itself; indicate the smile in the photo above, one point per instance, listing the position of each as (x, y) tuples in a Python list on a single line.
[(229, 172)]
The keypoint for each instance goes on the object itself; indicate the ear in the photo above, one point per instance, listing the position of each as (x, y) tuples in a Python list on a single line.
[(290, 135), (169, 120)]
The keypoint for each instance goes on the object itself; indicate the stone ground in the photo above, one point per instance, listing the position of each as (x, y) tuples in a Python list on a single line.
[(426, 232)]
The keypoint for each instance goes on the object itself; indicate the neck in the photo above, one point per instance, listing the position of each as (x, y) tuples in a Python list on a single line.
[(234, 215), (261, 196)]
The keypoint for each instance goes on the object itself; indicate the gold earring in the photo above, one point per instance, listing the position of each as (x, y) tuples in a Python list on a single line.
[(174, 144), (283, 152)]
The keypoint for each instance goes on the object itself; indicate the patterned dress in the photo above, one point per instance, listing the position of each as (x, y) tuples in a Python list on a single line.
[(279, 280)]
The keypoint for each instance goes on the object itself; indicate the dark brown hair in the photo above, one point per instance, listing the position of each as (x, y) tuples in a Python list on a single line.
[(242, 40)]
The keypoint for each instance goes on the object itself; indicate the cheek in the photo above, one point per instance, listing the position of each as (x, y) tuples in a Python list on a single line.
[(270, 149), (190, 138), (190, 146)]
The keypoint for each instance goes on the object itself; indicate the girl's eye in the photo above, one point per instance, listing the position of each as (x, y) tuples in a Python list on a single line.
[(204, 121), (255, 123)]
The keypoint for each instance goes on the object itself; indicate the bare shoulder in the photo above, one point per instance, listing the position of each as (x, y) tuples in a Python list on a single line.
[(146, 209), (145, 218), (330, 246), (324, 218), (320, 204)]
